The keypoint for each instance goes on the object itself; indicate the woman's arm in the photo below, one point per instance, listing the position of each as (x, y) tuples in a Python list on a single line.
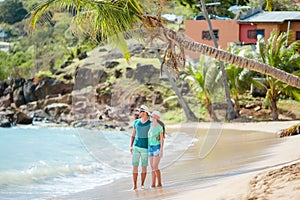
[(162, 140)]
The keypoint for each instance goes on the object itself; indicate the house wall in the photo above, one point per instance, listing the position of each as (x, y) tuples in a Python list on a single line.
[(244, 28), (228, 31)]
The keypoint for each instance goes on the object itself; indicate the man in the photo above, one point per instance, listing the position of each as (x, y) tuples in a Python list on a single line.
[(139, 145)]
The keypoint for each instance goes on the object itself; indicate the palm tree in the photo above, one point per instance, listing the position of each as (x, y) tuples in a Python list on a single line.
[(109, 18), (230, 109), (206, 82), (276, 54), (239, 79)]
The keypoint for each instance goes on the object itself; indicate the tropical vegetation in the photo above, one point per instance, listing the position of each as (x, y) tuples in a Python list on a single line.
[(93, 22)]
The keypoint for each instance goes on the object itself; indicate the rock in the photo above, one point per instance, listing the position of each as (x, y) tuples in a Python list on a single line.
[(49, 86), (40, 114), (257, 108), (3, 86), (5, 123), (7, 115), (82, 55), (135, 49), (104, 98), (17, 83), (5, 101), (29, 91), (102, 50), (18, 97), (145, 73), (111, 64), (65, 64), (86, 77), (56, 109), (156, 98), (118, 73), (129, 72), (68, 77), (22, 118), (114, 54)]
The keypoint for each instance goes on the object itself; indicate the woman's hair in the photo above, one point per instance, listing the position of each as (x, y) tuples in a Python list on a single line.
[(163, 125)]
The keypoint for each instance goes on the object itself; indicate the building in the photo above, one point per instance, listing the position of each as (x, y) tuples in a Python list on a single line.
[(245, 30), (264, 23)]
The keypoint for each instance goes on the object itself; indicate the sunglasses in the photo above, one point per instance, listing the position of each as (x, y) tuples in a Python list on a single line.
[(142, 111)]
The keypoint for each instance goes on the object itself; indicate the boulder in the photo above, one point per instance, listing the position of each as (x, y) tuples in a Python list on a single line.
[(136, 49), (7, 115), (56, 109), (22, 118), (5, 101), (18, 97), (3, 86), (29, 91), (17, 83), (111, 64), (49, 86), (82, 55), (118, 73), (157, 98), (5, 123), (129, 72), (145, 73), (88, 77)]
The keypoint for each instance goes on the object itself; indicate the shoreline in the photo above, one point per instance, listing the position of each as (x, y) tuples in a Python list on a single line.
[(283, 155)]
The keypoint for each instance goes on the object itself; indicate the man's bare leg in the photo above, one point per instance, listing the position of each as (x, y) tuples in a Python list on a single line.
[(143, 176), (135, 176)]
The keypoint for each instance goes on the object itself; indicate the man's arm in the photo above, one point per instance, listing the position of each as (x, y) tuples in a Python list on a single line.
[(132, 139)]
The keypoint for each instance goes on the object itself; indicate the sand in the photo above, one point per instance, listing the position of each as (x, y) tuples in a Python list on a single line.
[(274, 175)]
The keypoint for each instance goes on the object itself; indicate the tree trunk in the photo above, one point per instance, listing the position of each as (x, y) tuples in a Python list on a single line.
[(188, 112), (230, 110), (230, 58), (274, 109)]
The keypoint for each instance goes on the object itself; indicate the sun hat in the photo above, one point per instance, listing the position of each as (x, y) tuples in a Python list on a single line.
[(144, 108), (155, 114)]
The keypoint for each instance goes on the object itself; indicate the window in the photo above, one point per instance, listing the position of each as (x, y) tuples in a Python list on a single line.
[(297, 35), (254, 33), (206, 35)]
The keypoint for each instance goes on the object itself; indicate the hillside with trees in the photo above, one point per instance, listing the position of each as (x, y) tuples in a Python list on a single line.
[(45, 67)]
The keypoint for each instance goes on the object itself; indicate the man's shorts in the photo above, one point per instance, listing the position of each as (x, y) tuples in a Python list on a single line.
[(139, 153), (154, 150)]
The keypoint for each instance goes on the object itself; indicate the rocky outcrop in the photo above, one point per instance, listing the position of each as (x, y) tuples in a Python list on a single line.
[(99, 96), (88, 77), (29, 91), (145, 73), (50, 86)]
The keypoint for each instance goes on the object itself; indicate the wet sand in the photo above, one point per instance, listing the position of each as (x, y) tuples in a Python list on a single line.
[(219, 161)]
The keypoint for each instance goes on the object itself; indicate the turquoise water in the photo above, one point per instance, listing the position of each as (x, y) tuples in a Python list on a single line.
[(41, 162)]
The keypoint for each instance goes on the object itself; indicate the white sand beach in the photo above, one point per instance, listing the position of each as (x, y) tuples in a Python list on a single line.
[(221, 161)]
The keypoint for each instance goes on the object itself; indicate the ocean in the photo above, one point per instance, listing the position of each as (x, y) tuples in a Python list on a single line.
[(52, 162), (43, 162)]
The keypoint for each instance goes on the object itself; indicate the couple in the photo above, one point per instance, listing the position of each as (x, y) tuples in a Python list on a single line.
[(147, 140)]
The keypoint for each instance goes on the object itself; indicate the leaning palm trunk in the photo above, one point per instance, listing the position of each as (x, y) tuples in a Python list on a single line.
[(168, 34), (230, 110), (190, 116)]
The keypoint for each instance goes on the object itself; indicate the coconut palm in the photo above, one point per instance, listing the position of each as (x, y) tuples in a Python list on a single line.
[(206, 82), (239, 79), (109, 18), (277, 54), (230, 110)]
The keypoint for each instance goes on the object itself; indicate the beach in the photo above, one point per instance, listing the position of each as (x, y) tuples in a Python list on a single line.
[(251, 162)]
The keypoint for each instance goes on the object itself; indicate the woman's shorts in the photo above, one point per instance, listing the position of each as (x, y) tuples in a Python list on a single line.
[(139, 154), (154, 150)]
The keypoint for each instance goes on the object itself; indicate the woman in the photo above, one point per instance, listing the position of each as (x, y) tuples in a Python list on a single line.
[(156, 143)]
